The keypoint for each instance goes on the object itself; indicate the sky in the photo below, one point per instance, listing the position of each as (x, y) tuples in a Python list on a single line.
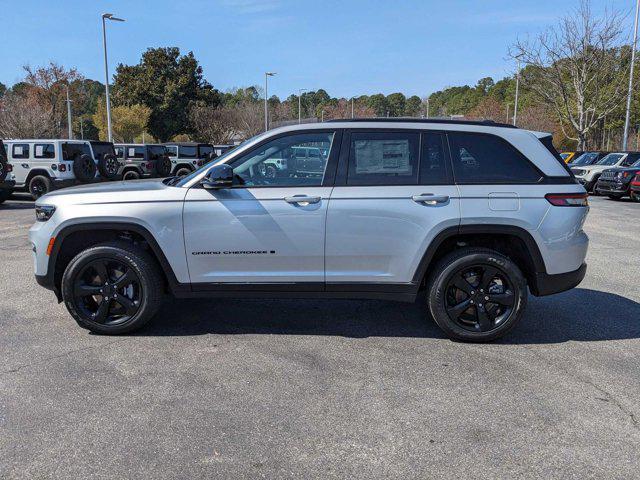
[(347, 47)]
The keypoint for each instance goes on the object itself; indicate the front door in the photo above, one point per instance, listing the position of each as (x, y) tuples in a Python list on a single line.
[(270, 226)]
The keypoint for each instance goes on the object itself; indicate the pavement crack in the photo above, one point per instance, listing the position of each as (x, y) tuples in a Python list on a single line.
[(54, 357), (611, 399)]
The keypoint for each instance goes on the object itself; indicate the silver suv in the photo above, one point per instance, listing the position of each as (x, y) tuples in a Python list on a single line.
[(472, 215)]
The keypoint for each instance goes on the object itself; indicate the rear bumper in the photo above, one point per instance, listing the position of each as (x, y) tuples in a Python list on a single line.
[(7, 184), (545, 284)]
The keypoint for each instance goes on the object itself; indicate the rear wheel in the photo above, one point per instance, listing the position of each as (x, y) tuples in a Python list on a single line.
[(112, 288), (39, 185), (476, 294)]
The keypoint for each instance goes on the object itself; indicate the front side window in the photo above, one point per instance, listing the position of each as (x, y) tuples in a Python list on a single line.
[(481, 158), (44, 150), (611, 159), (71, 151), (20, 150), (383, 158), (630, 160), (277, 164), (188, 151)]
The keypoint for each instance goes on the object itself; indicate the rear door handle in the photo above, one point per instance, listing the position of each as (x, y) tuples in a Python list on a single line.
[(302, 199), (430, 198)]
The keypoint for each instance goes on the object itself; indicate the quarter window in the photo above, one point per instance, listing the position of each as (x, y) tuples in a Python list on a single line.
[(119, 152), (44, 150), (482, 158), (172, 151), (20, 150), (279, 163), (188, 151), (383, 158), (71, 151)]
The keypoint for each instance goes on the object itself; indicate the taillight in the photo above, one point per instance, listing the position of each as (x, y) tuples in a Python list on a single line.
[(150, 166), (9, 168), (636, 181), (568, 199), (62, 167)]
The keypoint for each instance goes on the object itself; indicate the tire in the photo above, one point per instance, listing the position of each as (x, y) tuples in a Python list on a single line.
[(615, 197), (39, 185), (4, 195), (635, 196), (270, 171), (446, 301), (3, 166), (108, 166), (84, 168), (162, 167), (127, 275), (182, 171), (130, 175)]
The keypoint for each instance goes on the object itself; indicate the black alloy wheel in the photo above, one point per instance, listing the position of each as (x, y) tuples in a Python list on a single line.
[(107, 292), (38, 186), (479, 298)]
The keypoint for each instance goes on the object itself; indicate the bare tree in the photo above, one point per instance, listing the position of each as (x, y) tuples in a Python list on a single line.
[(576, 67), (23, 116)]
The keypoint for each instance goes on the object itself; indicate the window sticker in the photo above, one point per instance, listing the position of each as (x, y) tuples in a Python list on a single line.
[(39, 150), (382, 156)]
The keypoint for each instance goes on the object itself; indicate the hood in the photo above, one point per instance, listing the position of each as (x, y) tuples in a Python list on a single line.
[(111, 187), (622, 169), (591, 168)]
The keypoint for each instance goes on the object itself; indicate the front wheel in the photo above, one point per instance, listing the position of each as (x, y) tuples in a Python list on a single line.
[(112, 288), (615, 197), (476, 294), (635, 196)]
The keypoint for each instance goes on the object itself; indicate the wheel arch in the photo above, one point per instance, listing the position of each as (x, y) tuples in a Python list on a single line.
[(37, 171), (72, 239), (514, 242)]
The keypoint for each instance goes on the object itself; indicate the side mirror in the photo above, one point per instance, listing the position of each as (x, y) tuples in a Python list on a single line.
[(220, 176)]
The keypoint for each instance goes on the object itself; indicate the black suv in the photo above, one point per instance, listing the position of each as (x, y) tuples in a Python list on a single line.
[(186, 157), (616, 182), (6, 182)]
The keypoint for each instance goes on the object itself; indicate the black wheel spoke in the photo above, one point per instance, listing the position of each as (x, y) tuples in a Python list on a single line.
[(456, 310), (84, 290), (130, 307), (484, 322), (125, 279), (506, 299), (488, 275), (460, 283), (101, 270), (103, 311)]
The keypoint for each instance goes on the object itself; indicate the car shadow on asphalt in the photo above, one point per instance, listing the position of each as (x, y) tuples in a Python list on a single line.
[(577, 315)]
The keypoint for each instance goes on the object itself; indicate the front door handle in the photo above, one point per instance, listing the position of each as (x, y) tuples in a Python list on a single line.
[(302, 199), (430, 198)]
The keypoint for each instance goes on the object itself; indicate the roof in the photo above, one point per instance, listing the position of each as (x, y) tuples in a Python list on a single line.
[(187, 144), (488, 123), (43, 140)]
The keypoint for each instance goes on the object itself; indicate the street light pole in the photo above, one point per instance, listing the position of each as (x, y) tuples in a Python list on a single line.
[(266, 98), (105, 17), (629, 93), (300, 104), (351, 107), (69, 114), (515, 105)]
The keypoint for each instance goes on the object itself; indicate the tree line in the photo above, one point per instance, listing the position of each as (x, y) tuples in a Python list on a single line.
[(572, 80)]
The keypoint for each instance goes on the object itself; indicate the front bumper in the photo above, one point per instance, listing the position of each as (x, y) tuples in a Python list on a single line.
[(545, 284), (607, 186)]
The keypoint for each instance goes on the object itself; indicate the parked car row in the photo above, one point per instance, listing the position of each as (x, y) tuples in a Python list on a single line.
[(609, 174), (38, 166)]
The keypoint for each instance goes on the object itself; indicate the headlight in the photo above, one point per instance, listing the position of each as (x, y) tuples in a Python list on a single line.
[(577, 171), (44, 212)]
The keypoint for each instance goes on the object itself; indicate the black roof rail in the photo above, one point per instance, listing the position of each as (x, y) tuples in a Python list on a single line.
[(455, 121)]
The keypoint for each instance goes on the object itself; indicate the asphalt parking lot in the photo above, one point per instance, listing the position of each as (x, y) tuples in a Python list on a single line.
[(325, 389)]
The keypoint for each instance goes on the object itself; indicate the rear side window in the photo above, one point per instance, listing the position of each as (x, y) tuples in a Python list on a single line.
[(20, 150), (135, 152), (44, 150), (172, 151), (383, 158), (482, 158), (434, 162)]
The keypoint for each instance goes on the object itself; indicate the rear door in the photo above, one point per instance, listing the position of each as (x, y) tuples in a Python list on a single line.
[(394, 193)]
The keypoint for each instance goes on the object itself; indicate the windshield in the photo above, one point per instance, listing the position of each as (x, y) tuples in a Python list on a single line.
[(585, 159), (220, 159), (611, 159)]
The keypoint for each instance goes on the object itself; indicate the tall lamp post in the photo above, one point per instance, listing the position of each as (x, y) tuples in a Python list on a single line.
[(105, 17), (69, 114), (300, 104), (625, 137), (515, 105), (266, 98)]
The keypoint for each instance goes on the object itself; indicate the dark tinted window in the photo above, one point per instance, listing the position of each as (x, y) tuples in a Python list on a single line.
[(100, 149), (119, 152), (3, 153), (20, 150), (135, 152), (205, 150), (433, 160), (172, 151), (481, 158), (630, 160), (44, 150), (188, 152), (156, 151), (71, 151), (383, 158)]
